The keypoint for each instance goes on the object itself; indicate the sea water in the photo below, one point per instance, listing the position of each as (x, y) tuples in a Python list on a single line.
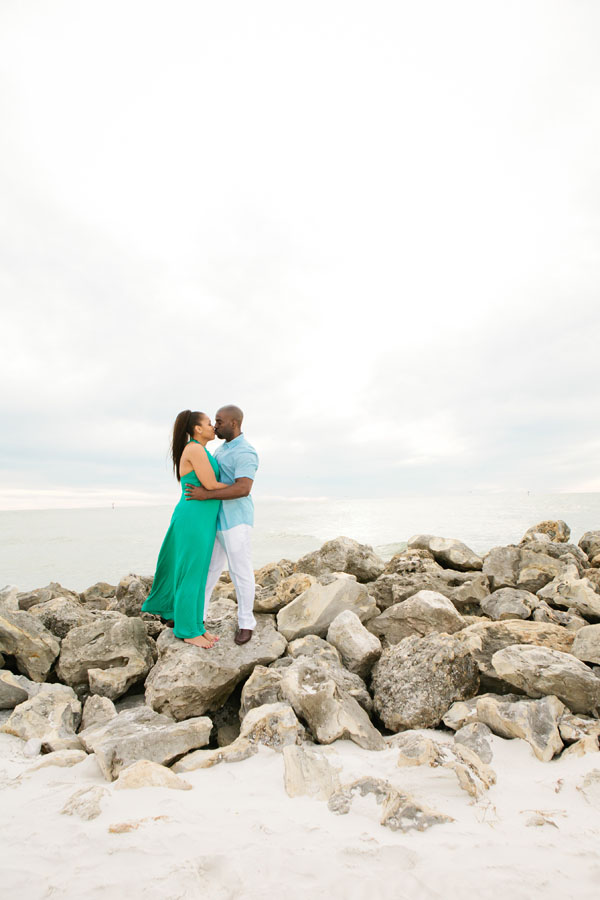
[(78, 547)]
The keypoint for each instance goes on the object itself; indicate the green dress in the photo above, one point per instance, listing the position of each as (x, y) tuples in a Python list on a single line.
[(180, 579)]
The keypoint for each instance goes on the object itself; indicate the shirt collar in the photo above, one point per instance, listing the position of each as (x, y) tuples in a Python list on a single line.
[(238, 440)]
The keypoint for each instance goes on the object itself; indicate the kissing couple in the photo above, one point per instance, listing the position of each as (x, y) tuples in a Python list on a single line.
[(211, 527)]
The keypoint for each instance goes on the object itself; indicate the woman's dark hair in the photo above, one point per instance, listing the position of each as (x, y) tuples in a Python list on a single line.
[(183, 431)]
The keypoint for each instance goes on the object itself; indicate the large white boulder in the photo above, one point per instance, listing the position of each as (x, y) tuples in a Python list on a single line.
[(315, 609)]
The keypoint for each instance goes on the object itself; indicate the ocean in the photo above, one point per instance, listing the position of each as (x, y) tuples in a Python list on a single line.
[(78, 547)]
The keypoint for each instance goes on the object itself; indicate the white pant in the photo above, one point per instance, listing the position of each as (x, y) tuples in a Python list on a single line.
[(233, 547)]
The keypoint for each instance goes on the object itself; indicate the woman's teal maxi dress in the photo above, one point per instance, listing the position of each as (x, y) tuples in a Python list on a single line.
[(180, 579)]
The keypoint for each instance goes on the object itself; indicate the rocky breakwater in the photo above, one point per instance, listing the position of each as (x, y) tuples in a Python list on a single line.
[(347, 646)]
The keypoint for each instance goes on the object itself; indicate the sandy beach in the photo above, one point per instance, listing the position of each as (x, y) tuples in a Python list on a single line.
[(238, 834)]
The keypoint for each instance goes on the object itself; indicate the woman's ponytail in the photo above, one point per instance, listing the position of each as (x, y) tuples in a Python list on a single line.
[(183, 432)]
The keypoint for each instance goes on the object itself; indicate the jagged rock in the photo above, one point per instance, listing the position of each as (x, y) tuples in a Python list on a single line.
[(108, 656), (575, 728), (586, 645), (9, 598), (535, 721), (425, 612), (358, 648), (263, 686), (270, 575), (475, 738), (415, 749), (569, 554), (572, 592), (509, 603), (314, 610), (274, 725), (27, 599), (584, 745), (554, 530), (99, 595), (401, 812), (85, 803), (545, 613), (142, 733), (464, 712), (96, 711), (448, 552), (25, 638), (283, 593), (539, 671), (343, 555), (473, 775), (406, 575), (329, 711), (307, 773), (417, 680), (520, 567), (144, 773), (486, 638), (61, 615), (590, 544), (187, 681), (52, 716), (131, 594), (328, 659), (61, 758), (467, 597), (592, 575), (590, 787), (15, 689), (316, 647)]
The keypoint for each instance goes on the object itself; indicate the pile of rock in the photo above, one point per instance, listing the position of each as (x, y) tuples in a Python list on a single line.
[(346, 646)]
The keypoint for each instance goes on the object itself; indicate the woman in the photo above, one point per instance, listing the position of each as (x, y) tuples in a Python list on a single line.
[(180, 579)]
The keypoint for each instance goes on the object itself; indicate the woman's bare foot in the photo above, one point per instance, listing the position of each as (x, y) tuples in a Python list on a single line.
[(211, 637), (200, 641)]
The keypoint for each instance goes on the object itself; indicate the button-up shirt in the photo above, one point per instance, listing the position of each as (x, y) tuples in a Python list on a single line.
[(237, 459)]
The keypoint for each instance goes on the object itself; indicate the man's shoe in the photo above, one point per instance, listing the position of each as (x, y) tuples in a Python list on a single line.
[(243, 635)]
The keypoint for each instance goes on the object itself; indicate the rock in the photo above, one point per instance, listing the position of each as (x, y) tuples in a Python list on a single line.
[(270, 575), (406, 575), (33, 647), (61, 614), (322, 654), (329, 711), (99, 595), (238, 751), (263, 686), (590, 787), (475, 738), (315, 647), (535, 721), (85, 803), (343, 555), (9, 598), (425, 612), (590, 544), (96, 711), (358, 648), (108, 656), (307, 773), (131, 593), (575, 728), (143, 734), (62, 758), (554, 530), (539, 671), (509, 603), (314, 610), (572, 592), (581, 747), (51, 716), (415, 749), (448, 552), (283, 593), (14, 689), (467, 597), (187, 681), (28, 599), (486, 638), (417, 680), (544, 613), (521, 568), (33, 747), (586, 645), (569, 554), (464, 712), (473, 775), (144, 773), (401, 812)]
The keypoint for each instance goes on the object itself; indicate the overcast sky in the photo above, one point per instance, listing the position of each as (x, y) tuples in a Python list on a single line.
[(375, 226)]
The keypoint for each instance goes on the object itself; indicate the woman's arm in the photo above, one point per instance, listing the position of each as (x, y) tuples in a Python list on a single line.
[(203, 469)]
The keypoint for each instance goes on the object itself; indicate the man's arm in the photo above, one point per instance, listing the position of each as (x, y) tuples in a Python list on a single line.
[(240, 488)]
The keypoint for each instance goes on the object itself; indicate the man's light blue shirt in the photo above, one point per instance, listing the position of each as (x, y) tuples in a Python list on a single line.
[(237, 459)]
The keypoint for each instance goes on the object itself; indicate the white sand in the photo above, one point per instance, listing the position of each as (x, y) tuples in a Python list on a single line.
[(238, 834)]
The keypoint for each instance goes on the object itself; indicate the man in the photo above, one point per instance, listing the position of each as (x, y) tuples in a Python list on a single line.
[(238, 462)]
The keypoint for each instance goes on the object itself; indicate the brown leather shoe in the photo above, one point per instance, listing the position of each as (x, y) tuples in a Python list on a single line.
[(243, 635)]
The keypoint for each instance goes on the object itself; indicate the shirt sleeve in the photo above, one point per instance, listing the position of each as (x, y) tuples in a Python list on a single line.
[(246, 464)]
